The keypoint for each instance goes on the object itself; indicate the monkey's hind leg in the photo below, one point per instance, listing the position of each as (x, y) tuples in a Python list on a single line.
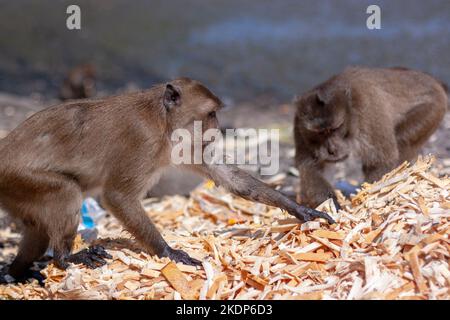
[(383, 157), (63, 216), (62, 206), (48, 200), (416, 127), (34, 243)]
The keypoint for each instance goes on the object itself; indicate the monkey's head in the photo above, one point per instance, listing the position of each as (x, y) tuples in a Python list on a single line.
[(188, 102), (80, 83), (321, 117)]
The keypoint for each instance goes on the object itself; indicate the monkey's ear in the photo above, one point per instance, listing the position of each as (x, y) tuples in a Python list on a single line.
[(172, 97)]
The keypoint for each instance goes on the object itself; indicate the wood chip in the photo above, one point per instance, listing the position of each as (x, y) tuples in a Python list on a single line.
[(310, 256), (321, 233), (178, 281), (415, 267)]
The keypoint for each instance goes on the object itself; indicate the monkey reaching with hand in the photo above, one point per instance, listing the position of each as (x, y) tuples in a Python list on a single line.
[(118, 144)]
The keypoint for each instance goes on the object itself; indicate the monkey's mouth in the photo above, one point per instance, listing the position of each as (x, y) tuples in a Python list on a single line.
[(334, 160)]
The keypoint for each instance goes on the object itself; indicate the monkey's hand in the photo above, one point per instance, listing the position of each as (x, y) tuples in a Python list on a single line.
[(92, 257), (314, 194), (180, 256), (307, 214)]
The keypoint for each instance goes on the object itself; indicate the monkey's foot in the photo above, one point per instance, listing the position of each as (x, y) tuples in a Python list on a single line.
[(32, 274), (61, 263), (181, 256), (23, 278), (308, 214), (92, 257), (3, 276)]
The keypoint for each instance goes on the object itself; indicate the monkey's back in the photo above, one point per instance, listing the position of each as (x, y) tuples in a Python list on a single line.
[(406, 86), (80, 138), (394, 90)]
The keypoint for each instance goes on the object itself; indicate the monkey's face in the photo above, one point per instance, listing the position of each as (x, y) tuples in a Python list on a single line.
[(324, 126), (191, 106)]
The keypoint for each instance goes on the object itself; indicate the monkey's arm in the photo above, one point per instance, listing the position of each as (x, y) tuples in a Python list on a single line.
[(121, 195), (314, 188), (245, 185)]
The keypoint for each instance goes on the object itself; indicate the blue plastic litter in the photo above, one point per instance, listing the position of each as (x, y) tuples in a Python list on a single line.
[(90, 213)]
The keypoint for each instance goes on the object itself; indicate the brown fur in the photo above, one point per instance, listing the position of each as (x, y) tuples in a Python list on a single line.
[(382, 115), (118, 145)]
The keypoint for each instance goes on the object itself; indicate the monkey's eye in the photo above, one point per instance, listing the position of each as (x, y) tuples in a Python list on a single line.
[(212, 114)]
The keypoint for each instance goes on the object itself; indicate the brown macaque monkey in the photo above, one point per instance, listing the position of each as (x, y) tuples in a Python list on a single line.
[(383, 116), (118, 145), (79, 83)]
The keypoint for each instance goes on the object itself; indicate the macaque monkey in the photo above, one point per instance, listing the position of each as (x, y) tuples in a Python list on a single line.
[(79, 83), (384, 116), (118, 145)]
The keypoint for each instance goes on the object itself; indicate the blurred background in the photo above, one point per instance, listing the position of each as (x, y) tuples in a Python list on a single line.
[(255, 54), (241, 49)]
